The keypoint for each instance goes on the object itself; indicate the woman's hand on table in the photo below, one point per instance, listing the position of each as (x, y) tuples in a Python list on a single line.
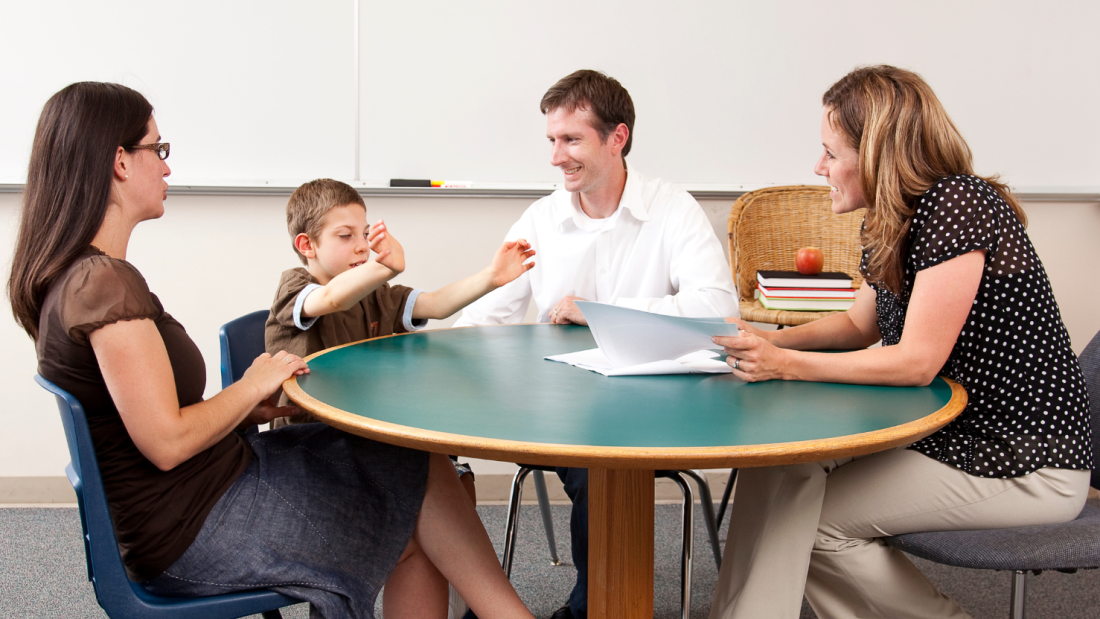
[(267, 372), (751, 356)]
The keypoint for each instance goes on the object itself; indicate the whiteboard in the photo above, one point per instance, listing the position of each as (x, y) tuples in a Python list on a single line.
[(246, 92), (727, 93)]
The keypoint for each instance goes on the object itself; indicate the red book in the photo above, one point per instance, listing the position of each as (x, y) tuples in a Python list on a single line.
[(807, 293)]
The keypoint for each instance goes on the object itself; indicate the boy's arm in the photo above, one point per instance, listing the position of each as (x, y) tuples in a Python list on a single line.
[(348, 288), (508, 264)]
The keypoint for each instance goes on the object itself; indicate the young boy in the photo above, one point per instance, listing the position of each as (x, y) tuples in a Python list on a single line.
[(341, 295)]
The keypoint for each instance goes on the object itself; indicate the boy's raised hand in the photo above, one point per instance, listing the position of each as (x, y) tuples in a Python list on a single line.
[(388, 252), (509, 262)]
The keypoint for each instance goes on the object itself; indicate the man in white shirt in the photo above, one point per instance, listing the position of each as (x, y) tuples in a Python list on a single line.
[(613, 236)]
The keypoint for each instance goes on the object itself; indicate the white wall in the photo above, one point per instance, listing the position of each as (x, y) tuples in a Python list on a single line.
[(212, 258)]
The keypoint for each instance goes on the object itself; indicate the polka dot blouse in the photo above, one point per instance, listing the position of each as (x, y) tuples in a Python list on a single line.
[(1028, 407)]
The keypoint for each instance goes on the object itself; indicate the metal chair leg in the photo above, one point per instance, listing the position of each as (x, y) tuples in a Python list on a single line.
[(688, 542), (547, 521), (513, 519), (726, 497), (1019, 594), (707, 502)]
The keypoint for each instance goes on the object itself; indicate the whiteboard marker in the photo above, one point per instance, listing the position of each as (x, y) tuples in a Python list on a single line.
[(414, 182)]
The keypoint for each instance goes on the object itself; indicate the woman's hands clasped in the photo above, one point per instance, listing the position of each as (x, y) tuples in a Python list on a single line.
[(267, 374), (751, 356)]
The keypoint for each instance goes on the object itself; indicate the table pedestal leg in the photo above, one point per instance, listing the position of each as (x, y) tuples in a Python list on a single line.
[(620, 544)]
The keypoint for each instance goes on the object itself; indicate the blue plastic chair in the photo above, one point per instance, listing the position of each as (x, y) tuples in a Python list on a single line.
[(119, 596), (242, 340), (1064, 547)]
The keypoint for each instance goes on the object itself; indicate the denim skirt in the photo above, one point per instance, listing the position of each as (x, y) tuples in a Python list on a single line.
[(319, 514)]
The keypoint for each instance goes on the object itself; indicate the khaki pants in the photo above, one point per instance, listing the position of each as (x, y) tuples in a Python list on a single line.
[(812, 528)]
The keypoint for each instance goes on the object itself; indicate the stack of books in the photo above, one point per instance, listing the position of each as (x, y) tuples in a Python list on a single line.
[(791, 290)]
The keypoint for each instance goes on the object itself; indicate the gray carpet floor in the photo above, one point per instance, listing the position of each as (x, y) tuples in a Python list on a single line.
[(42, 571)]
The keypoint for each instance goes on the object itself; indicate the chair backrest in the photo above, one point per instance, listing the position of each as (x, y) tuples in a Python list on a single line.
[(116, 593), (768, 226), (1090, 365), (105, 568), (242, 340)]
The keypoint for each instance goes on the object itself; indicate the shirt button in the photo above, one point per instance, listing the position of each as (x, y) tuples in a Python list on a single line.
[(603, 271)]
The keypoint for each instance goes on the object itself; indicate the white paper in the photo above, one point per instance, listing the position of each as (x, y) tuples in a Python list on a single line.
[(629, 337), (698, 362)]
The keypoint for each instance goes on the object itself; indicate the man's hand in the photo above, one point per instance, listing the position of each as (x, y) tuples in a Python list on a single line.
[(508, 263), (566, 312), (388, 252)]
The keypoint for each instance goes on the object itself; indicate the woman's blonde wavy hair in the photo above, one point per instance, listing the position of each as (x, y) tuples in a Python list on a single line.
[(906, 143)]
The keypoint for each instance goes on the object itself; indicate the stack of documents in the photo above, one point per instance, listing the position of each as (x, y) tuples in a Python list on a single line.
[(636, 343)]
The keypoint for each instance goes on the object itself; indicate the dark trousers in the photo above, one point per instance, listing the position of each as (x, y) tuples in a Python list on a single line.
[(576, 487)]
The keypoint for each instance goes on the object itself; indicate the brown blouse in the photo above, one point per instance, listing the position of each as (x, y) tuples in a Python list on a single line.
[(157, 514), (379, 313)]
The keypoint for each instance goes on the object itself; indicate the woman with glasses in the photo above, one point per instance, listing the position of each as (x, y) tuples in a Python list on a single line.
[(198, 509), (952, 286)]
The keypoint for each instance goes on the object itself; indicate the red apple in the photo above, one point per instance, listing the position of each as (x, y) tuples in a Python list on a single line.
[(809, 260)]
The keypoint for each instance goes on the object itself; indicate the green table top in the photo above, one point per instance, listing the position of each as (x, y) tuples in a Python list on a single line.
[(493, 383)]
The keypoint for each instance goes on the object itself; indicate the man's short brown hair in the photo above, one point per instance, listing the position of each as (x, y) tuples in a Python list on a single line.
[(310, 203), (591, 90)]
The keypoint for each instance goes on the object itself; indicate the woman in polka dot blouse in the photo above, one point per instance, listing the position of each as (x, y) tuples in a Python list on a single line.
[(952, 287)]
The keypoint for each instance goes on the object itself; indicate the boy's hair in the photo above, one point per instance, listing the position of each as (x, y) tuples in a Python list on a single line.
[(310, 203), (604, 96)]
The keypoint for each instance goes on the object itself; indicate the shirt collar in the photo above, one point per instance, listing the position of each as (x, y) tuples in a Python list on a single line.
[(568, 209)]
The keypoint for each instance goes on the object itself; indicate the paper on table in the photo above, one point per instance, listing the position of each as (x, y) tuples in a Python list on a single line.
[(699, 362), (631, 337)]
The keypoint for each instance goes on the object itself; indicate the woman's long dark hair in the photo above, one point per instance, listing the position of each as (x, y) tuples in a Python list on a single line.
[(69, 185)]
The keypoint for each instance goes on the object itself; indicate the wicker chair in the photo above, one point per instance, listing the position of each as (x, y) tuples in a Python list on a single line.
[(768, 226)]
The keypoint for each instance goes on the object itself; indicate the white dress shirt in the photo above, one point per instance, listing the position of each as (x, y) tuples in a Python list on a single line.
[(657, 252)]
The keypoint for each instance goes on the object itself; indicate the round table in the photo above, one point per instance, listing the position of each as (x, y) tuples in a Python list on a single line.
[(488, 392)]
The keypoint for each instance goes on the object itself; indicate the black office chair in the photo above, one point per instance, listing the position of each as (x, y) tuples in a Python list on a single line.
[(1065, 547), (119, 596), (687, 545)]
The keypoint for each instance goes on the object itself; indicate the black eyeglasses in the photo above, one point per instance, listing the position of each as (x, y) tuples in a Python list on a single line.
[(160, 148)]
